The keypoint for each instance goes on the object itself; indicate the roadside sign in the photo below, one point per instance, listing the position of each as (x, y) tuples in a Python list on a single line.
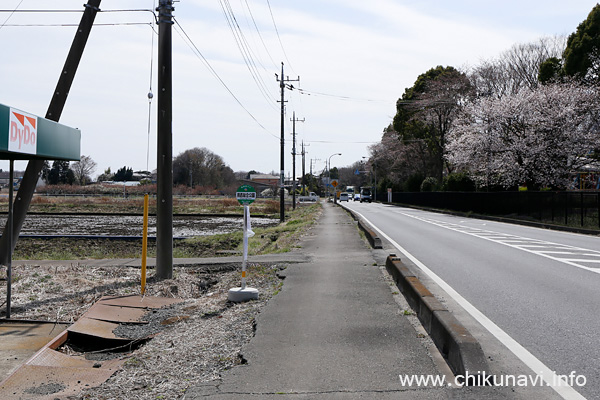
[(334, 182), (245, 194), (24, 136)]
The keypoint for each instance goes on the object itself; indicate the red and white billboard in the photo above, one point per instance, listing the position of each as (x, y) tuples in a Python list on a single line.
[(22, 137)]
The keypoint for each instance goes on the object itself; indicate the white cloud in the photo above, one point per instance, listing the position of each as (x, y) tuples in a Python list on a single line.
[(364, 50)]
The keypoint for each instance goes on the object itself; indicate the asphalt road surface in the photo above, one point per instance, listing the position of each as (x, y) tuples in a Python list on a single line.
[(528, 287)]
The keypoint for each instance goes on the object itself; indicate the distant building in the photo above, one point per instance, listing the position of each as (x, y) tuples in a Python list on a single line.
[(265, 179), (5, 178)]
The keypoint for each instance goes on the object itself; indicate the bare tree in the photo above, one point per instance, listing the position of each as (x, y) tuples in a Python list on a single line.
[(83, 169), (517, 67)]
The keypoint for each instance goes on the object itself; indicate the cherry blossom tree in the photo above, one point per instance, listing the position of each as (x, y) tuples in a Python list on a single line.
[(535, 136)]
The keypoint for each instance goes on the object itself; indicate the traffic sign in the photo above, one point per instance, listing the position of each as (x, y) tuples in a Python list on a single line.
[(334, 182), (245, 194), (24, 136)]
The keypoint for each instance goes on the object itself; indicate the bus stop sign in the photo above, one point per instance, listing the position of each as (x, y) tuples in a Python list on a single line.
[(245, 194)]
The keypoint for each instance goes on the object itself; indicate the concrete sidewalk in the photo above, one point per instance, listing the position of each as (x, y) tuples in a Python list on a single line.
[(334, 331)]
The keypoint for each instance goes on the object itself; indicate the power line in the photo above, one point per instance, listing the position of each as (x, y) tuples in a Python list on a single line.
[(340, 142), (11, 14), (259, 34), (199, 54), (67, 25), (338, 97), (244, 49), (279, 37)]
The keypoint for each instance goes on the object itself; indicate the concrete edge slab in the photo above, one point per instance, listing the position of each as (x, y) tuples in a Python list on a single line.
[(462, 351), (374, 240)]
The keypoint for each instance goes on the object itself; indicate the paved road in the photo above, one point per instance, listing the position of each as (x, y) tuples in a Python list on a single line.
[(540, 287), (334, 331)]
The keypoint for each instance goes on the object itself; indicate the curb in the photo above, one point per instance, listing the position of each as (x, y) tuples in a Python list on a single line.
[(460, 349), (374, 240)]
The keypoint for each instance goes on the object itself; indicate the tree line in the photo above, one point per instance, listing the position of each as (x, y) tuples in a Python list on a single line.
[(197, 167), (529, 117)]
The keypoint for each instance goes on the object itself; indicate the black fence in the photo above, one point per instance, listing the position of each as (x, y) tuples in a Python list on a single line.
[(576, 209)]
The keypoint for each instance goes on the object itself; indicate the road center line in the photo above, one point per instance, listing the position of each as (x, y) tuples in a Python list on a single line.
[(538, 367)]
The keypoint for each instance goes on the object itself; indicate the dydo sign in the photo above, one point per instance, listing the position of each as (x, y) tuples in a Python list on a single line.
[(22, 136)]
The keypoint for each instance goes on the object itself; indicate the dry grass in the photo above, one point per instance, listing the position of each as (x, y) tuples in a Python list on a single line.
[(135, 204), (206, 341)]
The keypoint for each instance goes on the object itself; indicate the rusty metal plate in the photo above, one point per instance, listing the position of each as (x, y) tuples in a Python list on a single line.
[(112, 313), (28, 335), (52, 358), (94, 327), (138, 301), (21, 340), (41, 382)]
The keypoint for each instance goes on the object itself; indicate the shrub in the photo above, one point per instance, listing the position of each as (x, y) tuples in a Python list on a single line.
[(458, 182), (429, 184)]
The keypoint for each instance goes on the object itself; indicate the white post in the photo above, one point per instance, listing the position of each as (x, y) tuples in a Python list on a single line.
[(245, 259), (244, 293)]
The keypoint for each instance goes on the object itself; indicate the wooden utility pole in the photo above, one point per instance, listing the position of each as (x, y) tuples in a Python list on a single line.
[(55, 109), (164, 184), (282, 86)]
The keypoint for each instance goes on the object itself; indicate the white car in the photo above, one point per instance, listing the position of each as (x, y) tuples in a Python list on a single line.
[(344, 197)]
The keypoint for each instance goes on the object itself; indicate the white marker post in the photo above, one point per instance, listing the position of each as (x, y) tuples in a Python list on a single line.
[(245, 195)]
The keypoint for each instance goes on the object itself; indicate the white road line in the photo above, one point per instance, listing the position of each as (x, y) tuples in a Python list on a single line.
[(538, 367), (517, 246)]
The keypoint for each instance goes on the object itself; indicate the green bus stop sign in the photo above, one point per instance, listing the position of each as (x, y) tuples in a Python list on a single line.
[(245, 194)]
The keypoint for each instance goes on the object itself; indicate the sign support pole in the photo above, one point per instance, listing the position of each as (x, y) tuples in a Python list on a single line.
[(245, 194), (34, 167), (245, 259), (9, 242)]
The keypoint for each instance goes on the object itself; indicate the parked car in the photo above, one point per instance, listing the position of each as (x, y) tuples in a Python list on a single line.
[(344, 197), (312, 197)]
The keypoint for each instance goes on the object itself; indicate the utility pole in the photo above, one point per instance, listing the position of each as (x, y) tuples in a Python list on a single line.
[(303, 169), (55, 109), (294, 158), (164, 188), (282, 86)]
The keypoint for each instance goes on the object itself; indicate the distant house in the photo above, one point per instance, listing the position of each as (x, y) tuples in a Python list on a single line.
[(261, 182), (265, 179), (5, 178)]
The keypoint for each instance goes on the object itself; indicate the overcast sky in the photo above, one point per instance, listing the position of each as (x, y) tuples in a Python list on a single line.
[(354, 59)]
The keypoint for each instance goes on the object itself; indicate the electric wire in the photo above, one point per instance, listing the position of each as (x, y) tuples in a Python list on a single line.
[(259, 34), (11, 14), (279, 37), (150, 95), (338, 97), (186, 38), (245, 50), (71, 25), (335, 141), (243, 47)]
